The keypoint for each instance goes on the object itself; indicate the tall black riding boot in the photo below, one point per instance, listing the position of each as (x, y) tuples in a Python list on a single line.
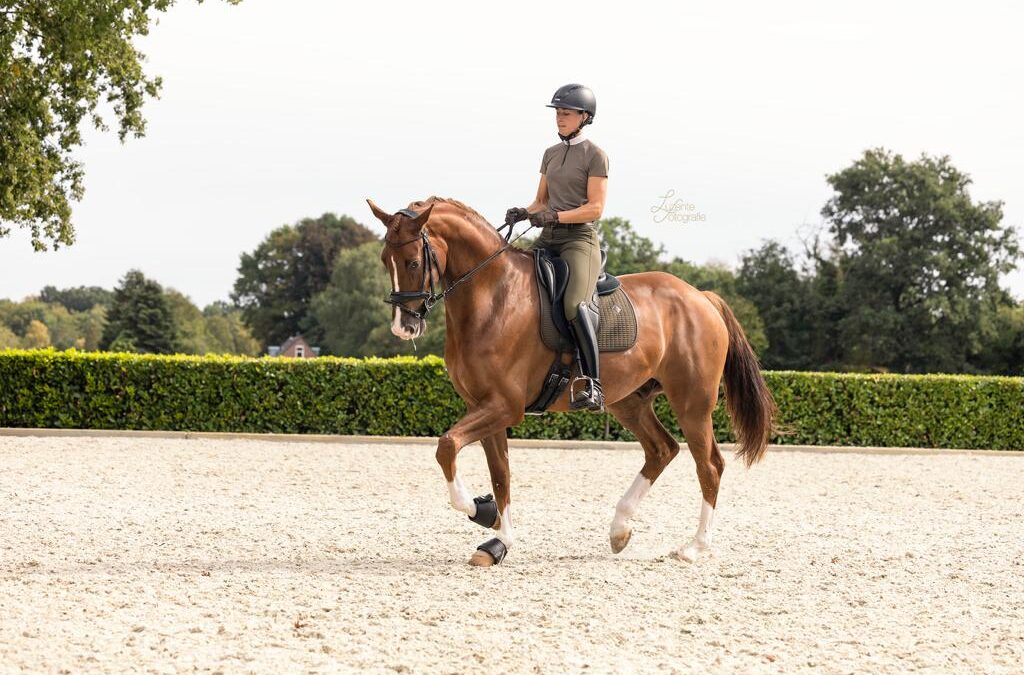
[(584, 329)]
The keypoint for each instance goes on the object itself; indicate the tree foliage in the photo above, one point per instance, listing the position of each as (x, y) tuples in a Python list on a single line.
[(59, 61), (218, 328), (79, 299), (140, 318), (277, 281), (67, 329), (919, 262), (228, 333), (903, 276), (768, 277)]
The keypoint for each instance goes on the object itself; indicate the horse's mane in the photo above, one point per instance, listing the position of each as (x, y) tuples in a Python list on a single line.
[(470, 213), (434, 199)]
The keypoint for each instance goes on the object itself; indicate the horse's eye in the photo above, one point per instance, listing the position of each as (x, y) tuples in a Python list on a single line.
[(413, 264)]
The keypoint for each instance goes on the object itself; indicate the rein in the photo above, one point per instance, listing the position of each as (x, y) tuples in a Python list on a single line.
[(431, 297)]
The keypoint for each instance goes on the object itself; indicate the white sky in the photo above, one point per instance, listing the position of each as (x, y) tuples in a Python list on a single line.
[(275, 111)]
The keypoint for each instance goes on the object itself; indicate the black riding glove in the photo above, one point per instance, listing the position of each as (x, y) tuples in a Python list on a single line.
[(542, 218), (515, 215)]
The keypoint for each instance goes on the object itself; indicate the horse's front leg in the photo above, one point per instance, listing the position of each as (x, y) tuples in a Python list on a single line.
[(493, 551), (481, 423)]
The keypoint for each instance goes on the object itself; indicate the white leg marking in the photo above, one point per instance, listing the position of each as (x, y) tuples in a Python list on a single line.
[(459, 496), (702, 540), (506, 534), (628, 505)]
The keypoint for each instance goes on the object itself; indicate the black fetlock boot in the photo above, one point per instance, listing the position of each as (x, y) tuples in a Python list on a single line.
[(584, 330)]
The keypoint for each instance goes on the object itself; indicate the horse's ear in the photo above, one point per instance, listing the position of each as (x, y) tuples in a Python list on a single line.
[(384, 216), (419, 220)]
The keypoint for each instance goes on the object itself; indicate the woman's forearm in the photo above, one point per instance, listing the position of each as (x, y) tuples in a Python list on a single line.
[(581, 214), (537, 206)]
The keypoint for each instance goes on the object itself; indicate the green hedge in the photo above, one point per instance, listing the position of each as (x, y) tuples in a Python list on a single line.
[(410, 396)]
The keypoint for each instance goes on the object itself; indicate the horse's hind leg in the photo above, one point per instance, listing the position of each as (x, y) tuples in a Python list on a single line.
[(636, 413), (693, 409)]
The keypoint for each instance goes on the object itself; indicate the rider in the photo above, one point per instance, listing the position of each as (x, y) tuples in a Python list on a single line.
[(570, 197)]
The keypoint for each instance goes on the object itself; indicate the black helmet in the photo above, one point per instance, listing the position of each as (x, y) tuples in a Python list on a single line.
[(575, 97)]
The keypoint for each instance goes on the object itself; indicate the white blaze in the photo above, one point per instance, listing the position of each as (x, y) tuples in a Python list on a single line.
[(396, 321)]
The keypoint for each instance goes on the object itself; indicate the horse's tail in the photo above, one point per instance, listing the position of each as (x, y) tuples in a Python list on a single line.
[(747, 396)]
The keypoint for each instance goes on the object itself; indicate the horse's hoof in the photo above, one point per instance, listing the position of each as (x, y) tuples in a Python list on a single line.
[(491, 552), (691, 552), (481, 559), (620, 540)]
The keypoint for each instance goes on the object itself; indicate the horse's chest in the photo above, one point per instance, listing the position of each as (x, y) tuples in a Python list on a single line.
[(464, 380), (457, 374)]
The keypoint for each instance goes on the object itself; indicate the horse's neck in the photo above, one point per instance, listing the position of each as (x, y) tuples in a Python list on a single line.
[(497, 286)]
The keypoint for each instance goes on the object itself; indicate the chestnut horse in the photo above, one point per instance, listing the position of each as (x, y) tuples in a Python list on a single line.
[(686, 341)]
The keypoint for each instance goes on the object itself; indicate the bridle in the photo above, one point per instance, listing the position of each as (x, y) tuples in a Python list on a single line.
[(430, 265)]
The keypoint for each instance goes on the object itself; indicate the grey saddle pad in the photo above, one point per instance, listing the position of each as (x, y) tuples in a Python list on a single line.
[(616, 330)]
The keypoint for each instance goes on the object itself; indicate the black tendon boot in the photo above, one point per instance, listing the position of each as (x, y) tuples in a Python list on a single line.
[(584, 329)]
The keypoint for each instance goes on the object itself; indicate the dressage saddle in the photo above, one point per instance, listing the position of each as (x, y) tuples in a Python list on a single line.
[(553, 275), (617, 325)]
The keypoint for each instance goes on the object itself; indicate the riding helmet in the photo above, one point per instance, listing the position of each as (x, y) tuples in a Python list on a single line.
[(575, 97)]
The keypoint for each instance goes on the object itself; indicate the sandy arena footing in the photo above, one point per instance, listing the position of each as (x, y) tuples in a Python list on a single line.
[(244, 555)]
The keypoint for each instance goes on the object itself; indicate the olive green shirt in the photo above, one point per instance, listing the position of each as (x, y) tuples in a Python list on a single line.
[(568, 167)]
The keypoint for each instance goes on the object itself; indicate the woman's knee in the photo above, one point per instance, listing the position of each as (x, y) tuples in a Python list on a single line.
[(570, 306)]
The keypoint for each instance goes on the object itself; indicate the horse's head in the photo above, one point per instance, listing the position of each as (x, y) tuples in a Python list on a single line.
[(414, 265)]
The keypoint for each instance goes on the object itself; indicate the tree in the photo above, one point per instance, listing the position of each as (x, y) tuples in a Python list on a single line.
[(1003, 352), (218, 329), (61, 326), (18, 315), (355, 320), (79, 299), (58, 59), (8, 340), (919, 261), (190, 324), (229, 333), (277, 281), (37, 336), (81, 330), (140, 318), (769, 278), (825, 315), (90, 328)]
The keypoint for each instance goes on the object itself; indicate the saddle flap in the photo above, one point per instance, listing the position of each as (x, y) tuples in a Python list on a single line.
[(552, 271)]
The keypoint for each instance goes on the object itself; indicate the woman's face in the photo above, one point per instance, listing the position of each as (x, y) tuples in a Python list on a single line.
[(568, 121)]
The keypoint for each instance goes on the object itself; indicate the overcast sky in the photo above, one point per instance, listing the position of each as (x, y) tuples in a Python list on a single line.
[(273, 111)]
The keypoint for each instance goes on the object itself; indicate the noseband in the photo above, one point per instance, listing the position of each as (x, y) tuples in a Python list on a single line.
[(430, 297)]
